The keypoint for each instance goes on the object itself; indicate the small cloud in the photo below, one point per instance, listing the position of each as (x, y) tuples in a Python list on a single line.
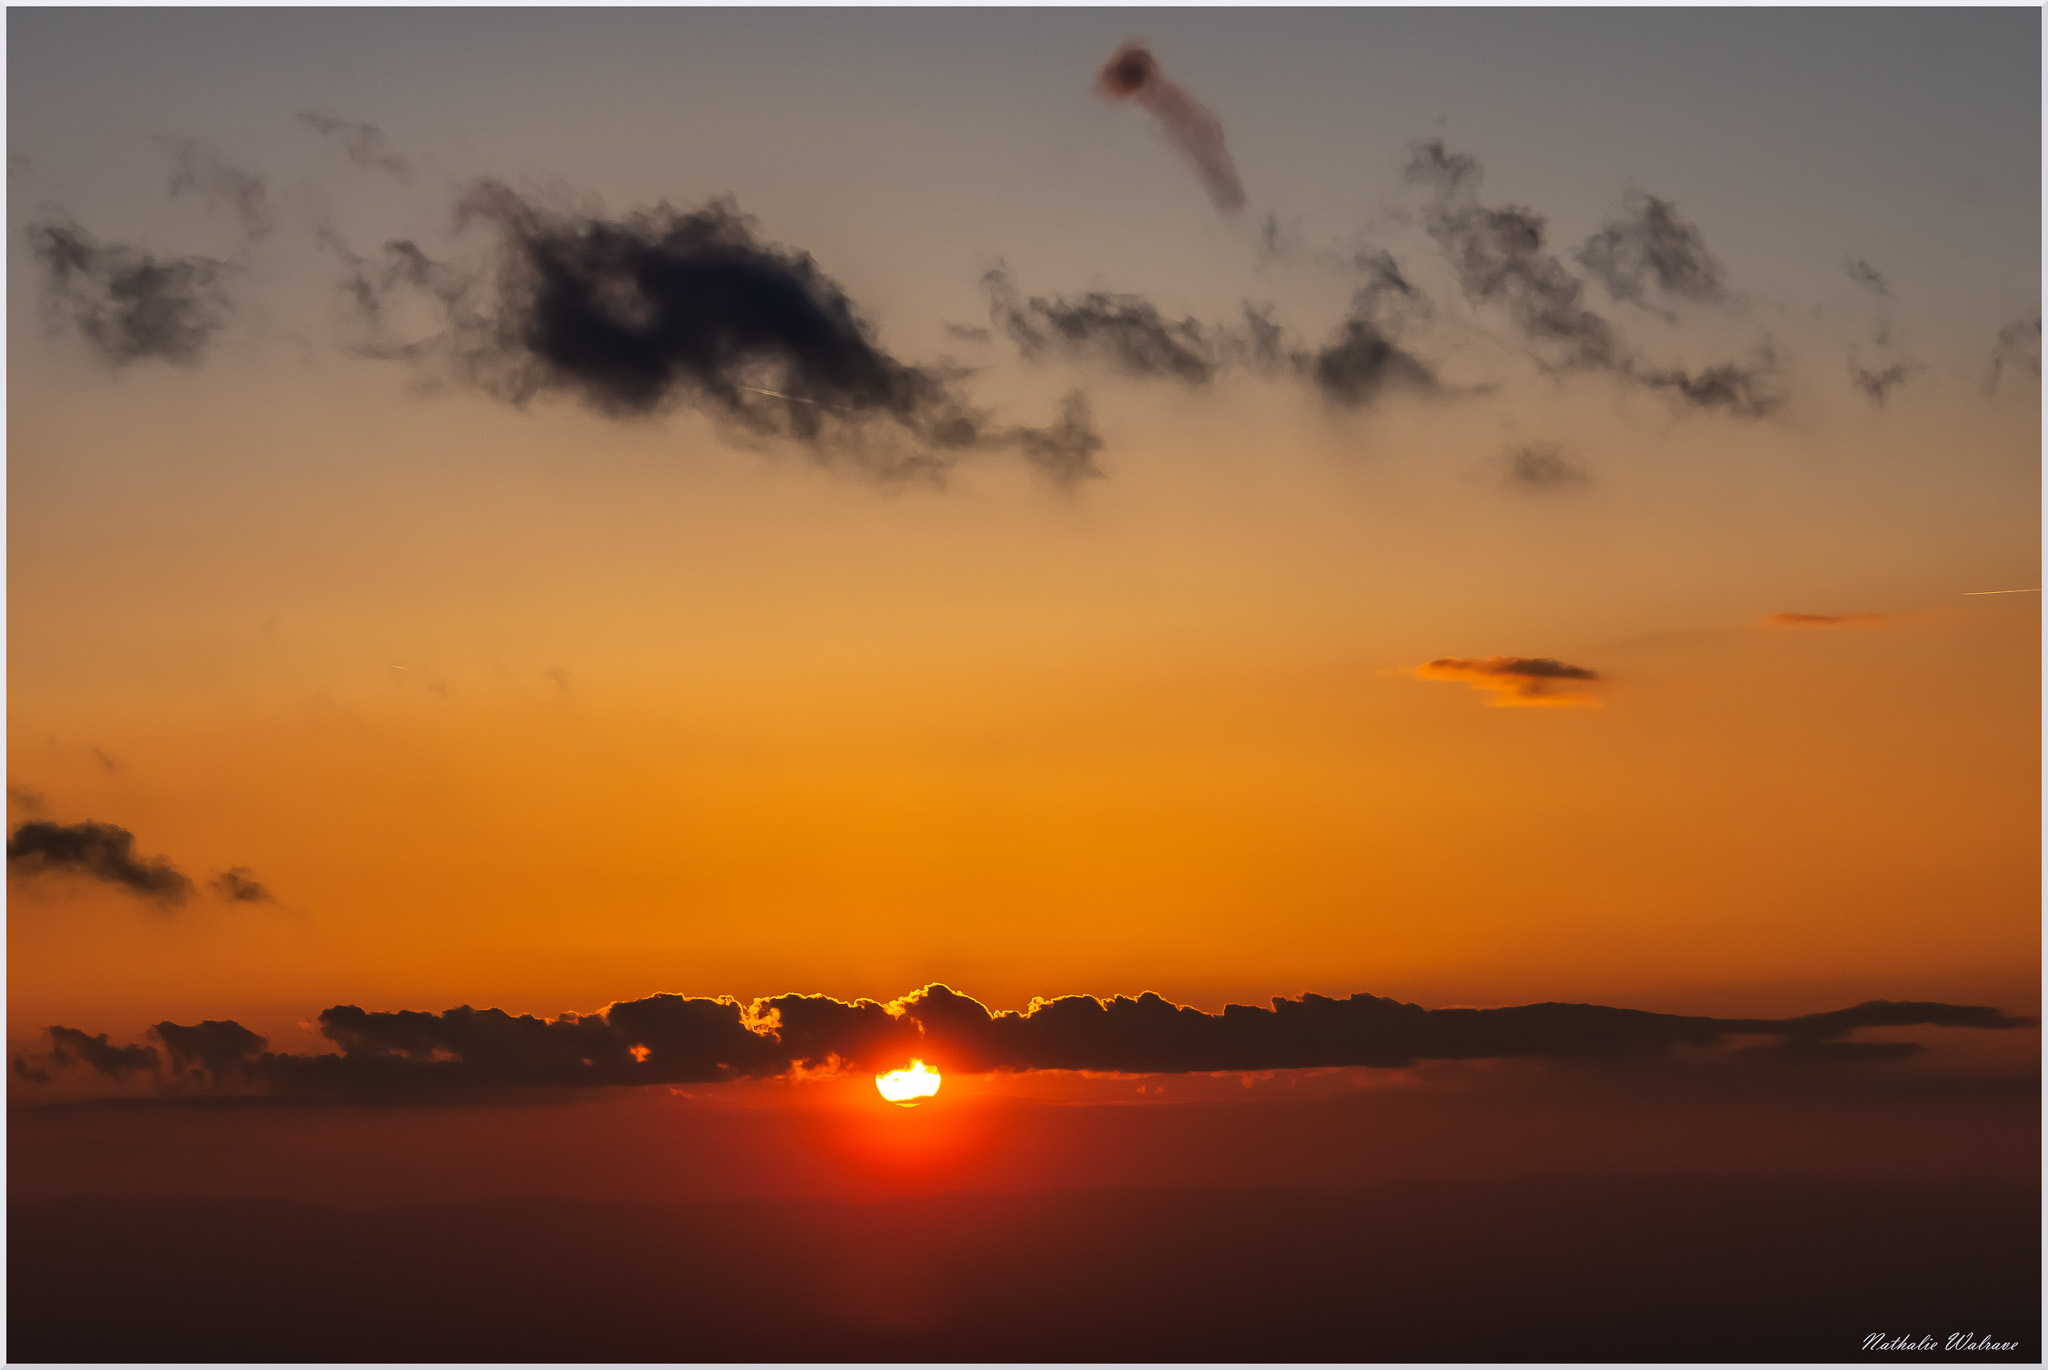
[(25, 799), (1650, 245), (129, 305), (1518, 681), (1791, 620), (239, 884), (1543, 467), (1867, 276), (2019, 348), (363, 143), (1126, 332), (201, 172), (1878, 384), (1500, 257)]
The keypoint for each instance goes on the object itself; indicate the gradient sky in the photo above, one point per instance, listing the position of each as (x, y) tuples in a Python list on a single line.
[(680, 714)]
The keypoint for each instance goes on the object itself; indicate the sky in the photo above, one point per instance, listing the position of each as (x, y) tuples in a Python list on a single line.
[(445, 667), (1403, 644)]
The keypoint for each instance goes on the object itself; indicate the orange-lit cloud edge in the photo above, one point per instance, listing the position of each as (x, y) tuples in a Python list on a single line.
[(1519, 681), (674, 1039)]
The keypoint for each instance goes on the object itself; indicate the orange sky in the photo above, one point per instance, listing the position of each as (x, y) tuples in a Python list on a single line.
[(537, 710)]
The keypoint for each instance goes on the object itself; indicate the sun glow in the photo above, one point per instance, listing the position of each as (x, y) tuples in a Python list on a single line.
[(909, 1087)]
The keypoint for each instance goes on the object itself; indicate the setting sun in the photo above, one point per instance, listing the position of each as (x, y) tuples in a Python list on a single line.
[(909, 1087)]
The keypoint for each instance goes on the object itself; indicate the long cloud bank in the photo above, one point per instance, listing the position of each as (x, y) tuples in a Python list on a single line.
[(676, 1039)]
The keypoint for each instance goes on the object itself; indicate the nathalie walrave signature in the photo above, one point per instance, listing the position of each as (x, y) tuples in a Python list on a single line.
[(1956, 1341)]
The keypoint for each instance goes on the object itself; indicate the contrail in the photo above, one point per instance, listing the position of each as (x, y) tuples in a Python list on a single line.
[(2034, 590), (1134, 74), (793, 399)]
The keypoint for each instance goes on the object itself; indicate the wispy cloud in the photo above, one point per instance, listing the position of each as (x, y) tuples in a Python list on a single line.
[(1518, 681), (1798, 620)]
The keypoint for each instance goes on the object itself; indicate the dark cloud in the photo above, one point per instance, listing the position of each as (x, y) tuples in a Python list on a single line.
[(1542, 466), (1867, 276), (662, 310), (1530, 681), (1500, 257), (1651, 246), (671, 1039), (97, 851), (362, 143), (1133, 337), (29, 801), (1748, 392), (1878, 384), (201, 172), (213, 1051), (70, 1044), (1126, 332), (129, 305), (1363, 360), (1361, 363), (1794, 620), (1879, 379), (2019, 347), (967, 333), (238, 883), (1132, 73)]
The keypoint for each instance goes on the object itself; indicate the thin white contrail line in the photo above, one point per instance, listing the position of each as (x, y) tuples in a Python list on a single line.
[(2032, 590), (798, 399)]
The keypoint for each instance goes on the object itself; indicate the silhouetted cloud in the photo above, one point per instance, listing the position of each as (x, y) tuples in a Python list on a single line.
[(1132, 73), (1361, 363), (1517, 680), (1127, 332), (201, 172), (663, 309), (1363, 360), (1793, 620), (96, 851), (29, 801), (214, 1051), (1650, 245), (238, 883), (1131, 336), (70, 1044), (129, 305), (1541, 466), (1878, 384), (1867, 276), (670, 1039), (1748, 392), (1877, 380), (1499, 257), (2019, 347), (362, 143)]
